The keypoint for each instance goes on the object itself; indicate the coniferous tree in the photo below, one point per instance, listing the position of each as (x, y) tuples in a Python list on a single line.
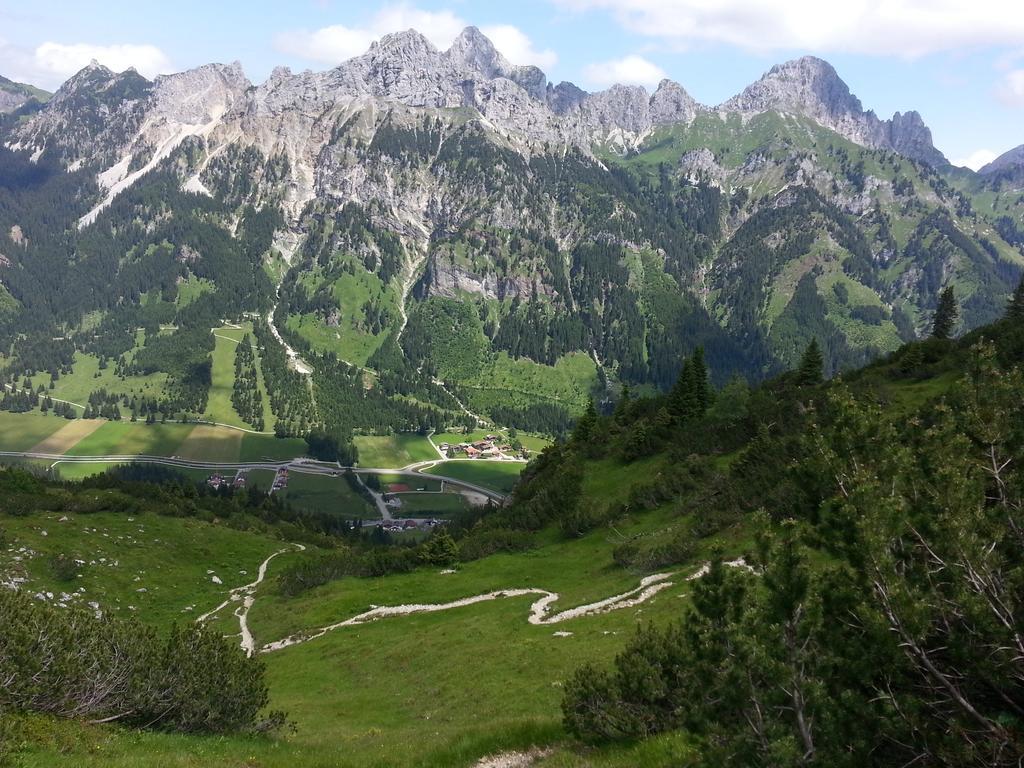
[(946, 314), (812, 365), (585, 424), (682, 400)]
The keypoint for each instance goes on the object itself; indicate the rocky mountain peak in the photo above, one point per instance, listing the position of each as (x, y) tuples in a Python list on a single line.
[(473, 51), (811, 87), (807, 85), (409, 45), (672, 104), (1010, 159), (199, 95)]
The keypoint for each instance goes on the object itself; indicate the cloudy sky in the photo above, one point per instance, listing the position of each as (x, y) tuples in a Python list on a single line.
[(958, 62)]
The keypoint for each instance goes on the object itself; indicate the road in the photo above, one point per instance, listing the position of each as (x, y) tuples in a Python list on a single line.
[(293, 465)]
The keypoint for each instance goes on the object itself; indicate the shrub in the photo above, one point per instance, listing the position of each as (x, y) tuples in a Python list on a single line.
[(68, 663)]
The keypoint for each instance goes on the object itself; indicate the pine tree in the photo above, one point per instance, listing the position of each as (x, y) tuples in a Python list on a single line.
[(683, 398), (585, 424), (1016, 309), (812, 365), (946, 314)]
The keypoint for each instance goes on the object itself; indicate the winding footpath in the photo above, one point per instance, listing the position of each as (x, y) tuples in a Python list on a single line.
[(540, 614), (246, 595)]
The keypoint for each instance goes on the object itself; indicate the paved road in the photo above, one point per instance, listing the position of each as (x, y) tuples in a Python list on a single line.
[(294, 465)]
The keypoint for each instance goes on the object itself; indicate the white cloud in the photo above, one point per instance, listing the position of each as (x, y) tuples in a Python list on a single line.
[(517, 47), (51, 63), (336, 43), (63, 60), (1011, 89), (907, 28), (630, 70), (976, 159)]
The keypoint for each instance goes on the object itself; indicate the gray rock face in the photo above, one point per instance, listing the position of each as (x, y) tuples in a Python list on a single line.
[(563, 97), (672, 104), (1007, 168), (811, 87), (442, 278), (123, 124)]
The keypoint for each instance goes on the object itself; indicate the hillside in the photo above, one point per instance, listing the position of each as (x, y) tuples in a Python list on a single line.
[(463, 239), (14, 97), (468, 644)]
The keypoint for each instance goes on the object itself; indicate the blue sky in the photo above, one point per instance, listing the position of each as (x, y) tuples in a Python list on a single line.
[(958, 62)]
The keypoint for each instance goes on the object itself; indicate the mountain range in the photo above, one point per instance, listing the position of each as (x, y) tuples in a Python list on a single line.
[(453, 217)]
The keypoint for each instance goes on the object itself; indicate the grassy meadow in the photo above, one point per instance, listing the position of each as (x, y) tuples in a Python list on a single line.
[(497, 475), (393, 450), (429, 689)]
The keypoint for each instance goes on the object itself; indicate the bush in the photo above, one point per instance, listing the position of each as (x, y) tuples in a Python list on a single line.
[(63, 566), (68, 663), (482, 542)]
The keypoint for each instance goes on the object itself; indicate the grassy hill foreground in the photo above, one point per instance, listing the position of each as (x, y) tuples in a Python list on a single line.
[(864, 586)]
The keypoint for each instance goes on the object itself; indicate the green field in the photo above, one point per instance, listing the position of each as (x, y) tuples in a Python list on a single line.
[(400, 450), (209, 443), (321, 493), (77, 470), (430, 504), (124, 437), (87, 377), (497, 475), (270, 448), (23, 431), (521, 382), (412, 479)]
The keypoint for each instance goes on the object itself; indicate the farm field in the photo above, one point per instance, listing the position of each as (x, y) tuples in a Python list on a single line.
[(317, 493), (68, 436), (393, 450), (429, 504), (125, 437), (270, 448), (209, 443), (414, 480), (497, 475), (23, 431)]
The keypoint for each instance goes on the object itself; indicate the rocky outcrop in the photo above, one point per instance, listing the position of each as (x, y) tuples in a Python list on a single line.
[(443, 278)]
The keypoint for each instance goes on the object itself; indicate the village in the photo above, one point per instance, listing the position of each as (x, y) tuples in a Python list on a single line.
[(493, 447)]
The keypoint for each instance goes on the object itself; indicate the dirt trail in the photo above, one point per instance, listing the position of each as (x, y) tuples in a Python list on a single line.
[(246, 595), (540, 610)]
